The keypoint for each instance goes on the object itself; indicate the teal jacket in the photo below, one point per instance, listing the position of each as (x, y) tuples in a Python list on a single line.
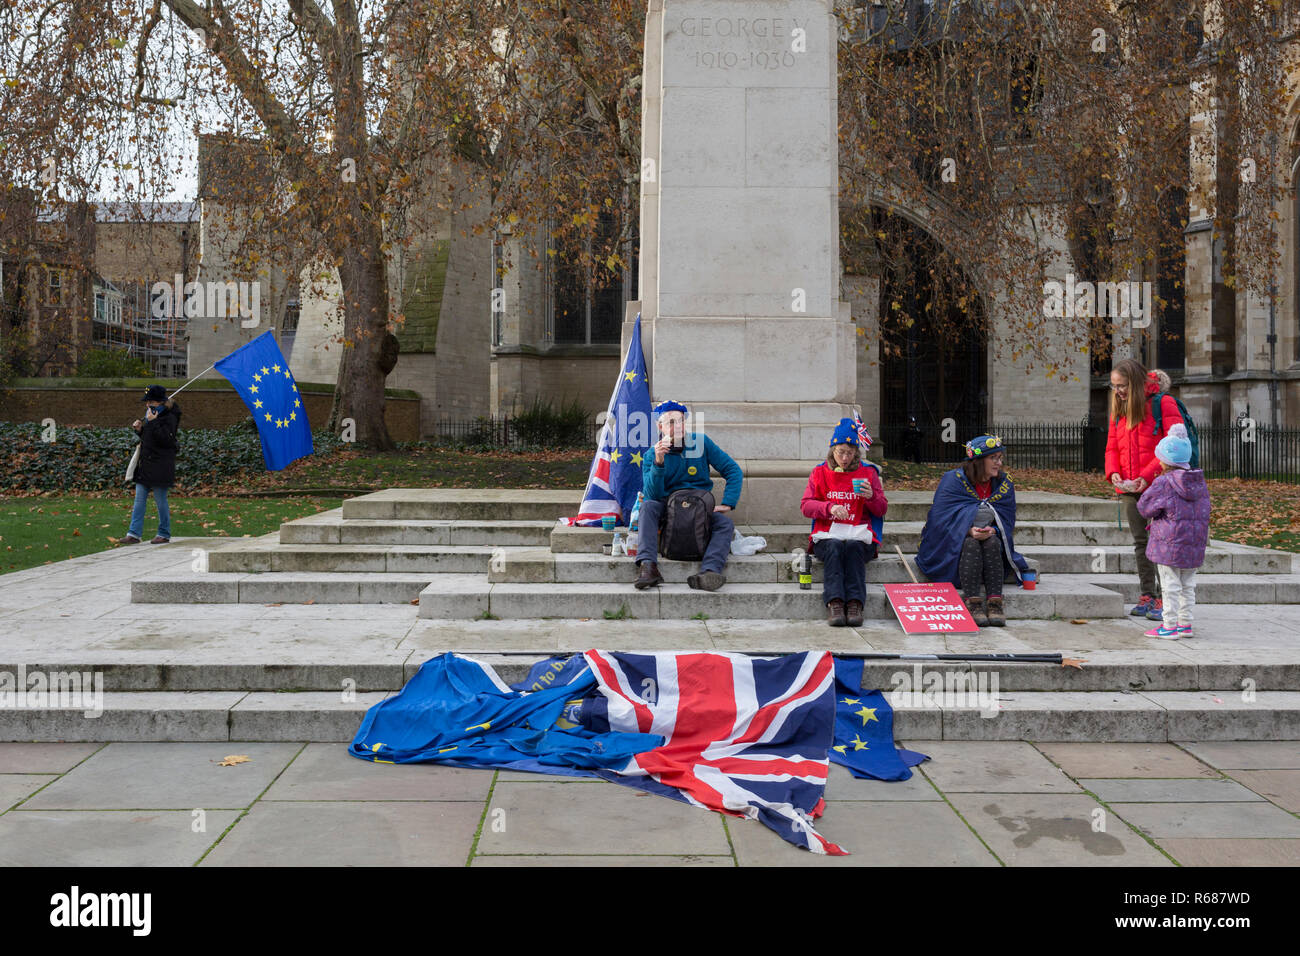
[(690, 469)]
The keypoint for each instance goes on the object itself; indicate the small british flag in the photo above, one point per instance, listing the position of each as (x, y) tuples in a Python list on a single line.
[(864, 439)]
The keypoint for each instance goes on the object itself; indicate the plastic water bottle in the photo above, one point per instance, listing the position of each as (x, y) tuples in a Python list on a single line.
[(636, 512), (619, 546)]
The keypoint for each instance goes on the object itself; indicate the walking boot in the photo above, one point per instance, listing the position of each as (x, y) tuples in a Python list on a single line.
[(997, 615), (835, 613), (647, 575), (976, 607), (853, 613)]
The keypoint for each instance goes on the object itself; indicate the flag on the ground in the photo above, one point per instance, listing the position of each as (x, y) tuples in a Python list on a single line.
[(456, 710), (746, 736), (615, 476), (261, 377), (864, 729)]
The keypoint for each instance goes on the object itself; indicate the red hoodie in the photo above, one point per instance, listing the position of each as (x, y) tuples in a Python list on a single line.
[(1131, 452)]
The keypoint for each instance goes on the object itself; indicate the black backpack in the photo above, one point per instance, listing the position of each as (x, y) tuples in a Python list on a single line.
[(684, 529)]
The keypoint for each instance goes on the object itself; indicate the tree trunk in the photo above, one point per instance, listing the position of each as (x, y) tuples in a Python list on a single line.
[(360, 392)]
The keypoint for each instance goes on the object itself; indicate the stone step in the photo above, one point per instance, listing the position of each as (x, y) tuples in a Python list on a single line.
[(1210, 588), (463, 504), (905, 534), (320, 587), (537, 565), (334, 671), (497, 504), (362, 558), (331, 528), (1096, 716), (462, 596)]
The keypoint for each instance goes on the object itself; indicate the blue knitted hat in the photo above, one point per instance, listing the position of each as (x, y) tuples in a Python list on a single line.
[(846, 433), (1174, 449)]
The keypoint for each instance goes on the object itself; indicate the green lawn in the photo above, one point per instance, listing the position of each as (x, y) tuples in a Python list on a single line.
[(39, 530)]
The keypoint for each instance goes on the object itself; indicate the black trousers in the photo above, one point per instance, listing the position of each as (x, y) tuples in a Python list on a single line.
[(845, 573)]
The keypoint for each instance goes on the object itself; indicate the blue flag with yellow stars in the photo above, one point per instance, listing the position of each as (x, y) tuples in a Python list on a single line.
[(261, 377), (864, 729)]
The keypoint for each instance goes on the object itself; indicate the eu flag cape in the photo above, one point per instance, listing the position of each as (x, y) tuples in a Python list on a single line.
[(948, 523), (261, 377)]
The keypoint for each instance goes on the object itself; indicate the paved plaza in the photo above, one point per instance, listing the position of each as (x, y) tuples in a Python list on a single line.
[(975, 803)]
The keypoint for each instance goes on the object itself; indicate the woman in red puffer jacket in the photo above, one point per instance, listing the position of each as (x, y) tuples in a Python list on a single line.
[(1131, 463)]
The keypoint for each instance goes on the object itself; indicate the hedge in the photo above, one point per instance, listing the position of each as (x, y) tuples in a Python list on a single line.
[(92, 458)]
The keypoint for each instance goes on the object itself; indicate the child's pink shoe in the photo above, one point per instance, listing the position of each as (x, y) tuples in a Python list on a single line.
[(1169, 633), (1184, 630)]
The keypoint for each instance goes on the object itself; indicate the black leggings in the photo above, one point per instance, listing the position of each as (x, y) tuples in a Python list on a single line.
[(981, 561)]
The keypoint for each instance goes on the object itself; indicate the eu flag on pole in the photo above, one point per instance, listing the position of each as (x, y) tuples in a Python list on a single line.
[(615, 476), (261, 377)]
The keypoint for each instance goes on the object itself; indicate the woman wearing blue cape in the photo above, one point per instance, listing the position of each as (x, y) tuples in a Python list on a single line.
[(967, 536)]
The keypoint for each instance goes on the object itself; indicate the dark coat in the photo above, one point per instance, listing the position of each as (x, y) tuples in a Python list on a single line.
[(158, 447)]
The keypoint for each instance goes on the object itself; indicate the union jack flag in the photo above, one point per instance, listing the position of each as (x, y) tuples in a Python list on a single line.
[(746, 736), (615, 476), (864, 440)]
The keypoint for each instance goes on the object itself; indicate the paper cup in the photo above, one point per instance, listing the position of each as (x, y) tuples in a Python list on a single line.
[(607, 522), (1031, 580)]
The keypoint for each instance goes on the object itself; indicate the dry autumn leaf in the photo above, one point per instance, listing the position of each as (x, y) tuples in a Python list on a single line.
[(233, 759)]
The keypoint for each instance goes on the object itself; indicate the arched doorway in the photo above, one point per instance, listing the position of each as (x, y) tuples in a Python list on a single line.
[(932, 336)]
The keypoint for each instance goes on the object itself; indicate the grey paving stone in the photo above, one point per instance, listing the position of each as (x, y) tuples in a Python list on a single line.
[(127, 776), (1095, 760), (108, 837), (1169, 791), (585, 861), (1224, 715), (1247, 754), (525, 818), (1229, 852), (328, 772), (43, 757), (15, 787), (404, 833), (842, 786), (1052, 830), (1281, 787), (992, 767), (1209, 819), (874, 834)]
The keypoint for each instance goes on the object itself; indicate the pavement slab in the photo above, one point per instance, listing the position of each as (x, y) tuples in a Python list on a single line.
[(109, 837), (1230, 852), (1247, 754), (1163, 820), (574, 819), (1124, 760), (328, 772), (1053, 830), (1169, 791), (17, 787), (399, 833), (43, 757), (991, 767), (1281, 787), (167, 776)]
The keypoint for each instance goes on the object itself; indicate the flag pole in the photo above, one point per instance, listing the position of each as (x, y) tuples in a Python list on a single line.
[(193, 380)]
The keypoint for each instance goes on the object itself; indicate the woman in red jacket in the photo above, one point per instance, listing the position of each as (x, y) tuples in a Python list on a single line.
[(1131, 463), (846, 524)]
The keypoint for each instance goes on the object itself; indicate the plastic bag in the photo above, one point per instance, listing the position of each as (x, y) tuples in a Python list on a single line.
[(743, 545)]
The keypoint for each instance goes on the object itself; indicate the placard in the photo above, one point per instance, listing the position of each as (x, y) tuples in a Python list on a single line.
[(930, 609)]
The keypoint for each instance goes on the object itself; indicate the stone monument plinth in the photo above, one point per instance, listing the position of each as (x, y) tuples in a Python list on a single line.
[(740, 291)]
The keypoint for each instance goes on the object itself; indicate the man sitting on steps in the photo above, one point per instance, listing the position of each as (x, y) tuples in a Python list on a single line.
[(680, 461)]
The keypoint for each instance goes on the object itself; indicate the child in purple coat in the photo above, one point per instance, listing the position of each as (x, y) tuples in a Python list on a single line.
[(1178, 507)]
